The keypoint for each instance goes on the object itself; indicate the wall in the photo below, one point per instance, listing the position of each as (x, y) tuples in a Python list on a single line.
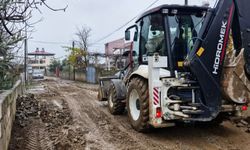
[(7, 113), (90, 76), (80, 76)]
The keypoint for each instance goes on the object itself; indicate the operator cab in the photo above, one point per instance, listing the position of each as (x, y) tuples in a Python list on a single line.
[(169, 30)]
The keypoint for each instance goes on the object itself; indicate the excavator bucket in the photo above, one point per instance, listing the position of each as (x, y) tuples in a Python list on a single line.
[(235, 84), (230, 19), (235, 76)]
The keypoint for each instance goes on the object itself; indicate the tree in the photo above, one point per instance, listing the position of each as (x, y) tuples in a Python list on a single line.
[(76, 56), (14, 20), (55, 64), (83, 35), (14, 25)]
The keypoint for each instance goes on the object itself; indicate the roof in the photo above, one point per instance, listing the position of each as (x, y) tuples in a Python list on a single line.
[(182, 7), (115, 41), (40, 53)]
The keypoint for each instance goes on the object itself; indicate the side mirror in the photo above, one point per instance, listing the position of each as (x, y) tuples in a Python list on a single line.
[(136, 36), (127, 35)]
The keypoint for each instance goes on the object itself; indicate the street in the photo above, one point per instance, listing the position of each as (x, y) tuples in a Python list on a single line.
[(69, 116)]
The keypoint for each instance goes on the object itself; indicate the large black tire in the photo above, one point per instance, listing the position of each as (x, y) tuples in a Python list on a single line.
[(141, 87), (116, 106)]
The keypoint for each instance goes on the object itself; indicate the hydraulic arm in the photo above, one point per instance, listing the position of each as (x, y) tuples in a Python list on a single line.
[(207, 58)]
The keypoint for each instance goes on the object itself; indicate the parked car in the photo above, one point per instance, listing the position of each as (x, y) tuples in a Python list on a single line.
[(38, 74)]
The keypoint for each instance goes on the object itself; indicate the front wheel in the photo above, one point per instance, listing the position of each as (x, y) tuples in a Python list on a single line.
[(116, 106), (138, 104)]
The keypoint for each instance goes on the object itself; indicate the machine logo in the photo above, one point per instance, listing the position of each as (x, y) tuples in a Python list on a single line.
[(220, 46)]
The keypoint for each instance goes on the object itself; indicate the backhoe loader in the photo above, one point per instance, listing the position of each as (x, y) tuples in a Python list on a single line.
[(187, 64)]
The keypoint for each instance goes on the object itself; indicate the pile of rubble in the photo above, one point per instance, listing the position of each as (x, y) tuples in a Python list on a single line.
[(27, 106), (49, 112), (60, 126), (54, 116), (73, 138)]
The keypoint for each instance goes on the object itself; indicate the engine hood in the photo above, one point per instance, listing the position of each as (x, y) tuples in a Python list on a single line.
[(143, 71)]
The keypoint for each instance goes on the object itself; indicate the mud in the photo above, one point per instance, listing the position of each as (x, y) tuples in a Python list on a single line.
[(69, 117)]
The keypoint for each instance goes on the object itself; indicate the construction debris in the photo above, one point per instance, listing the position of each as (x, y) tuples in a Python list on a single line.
[(39, 118), (67, 116)]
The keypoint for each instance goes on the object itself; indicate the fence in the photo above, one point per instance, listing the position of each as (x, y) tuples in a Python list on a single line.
[(7, 112), (90, 75)]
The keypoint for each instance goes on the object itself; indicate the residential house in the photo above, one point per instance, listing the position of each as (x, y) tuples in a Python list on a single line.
[(114, 51), (40, 59)]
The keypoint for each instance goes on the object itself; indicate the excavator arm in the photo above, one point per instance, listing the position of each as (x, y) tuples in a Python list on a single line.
[(206, 60), (244, 15)]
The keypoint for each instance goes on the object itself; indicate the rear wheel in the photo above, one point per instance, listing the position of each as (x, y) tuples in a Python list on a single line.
[(116, 106), (138, 104)]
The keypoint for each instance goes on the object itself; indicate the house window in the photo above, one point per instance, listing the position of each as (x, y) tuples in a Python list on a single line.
[(42, 61)]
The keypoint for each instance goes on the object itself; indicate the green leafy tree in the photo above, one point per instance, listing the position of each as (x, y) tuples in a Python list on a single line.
[(55, 64), (76, 57)]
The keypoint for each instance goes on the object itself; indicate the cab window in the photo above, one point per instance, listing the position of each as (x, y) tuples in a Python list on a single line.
[(152, 36)]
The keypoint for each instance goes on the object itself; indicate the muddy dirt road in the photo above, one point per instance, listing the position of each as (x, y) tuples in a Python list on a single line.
[(89, 125)]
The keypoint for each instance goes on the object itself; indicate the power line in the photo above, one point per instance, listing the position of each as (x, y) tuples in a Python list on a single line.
[(108, 35), (48, 42), (103, 38)]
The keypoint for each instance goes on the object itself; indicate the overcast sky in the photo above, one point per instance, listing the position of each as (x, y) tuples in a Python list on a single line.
[(103, 16)]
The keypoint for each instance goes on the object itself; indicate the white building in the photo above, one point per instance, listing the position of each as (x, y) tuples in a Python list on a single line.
[(40, 59)]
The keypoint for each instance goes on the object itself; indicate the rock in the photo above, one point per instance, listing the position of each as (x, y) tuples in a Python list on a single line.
[(22, 125), (47, 125), (244, 122), (65, 127), (83, 142), (102, 123), (248, 130), (75, 140), (239, 125)]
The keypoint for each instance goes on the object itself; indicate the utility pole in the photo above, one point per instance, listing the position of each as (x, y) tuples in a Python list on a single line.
[(186, 2), (25, 53), (69, 70), (25, 59), (74, 71)]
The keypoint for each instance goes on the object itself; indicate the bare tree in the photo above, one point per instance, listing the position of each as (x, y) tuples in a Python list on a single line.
[(83, 35), (14, 24), (15, 15), (14, 21)]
